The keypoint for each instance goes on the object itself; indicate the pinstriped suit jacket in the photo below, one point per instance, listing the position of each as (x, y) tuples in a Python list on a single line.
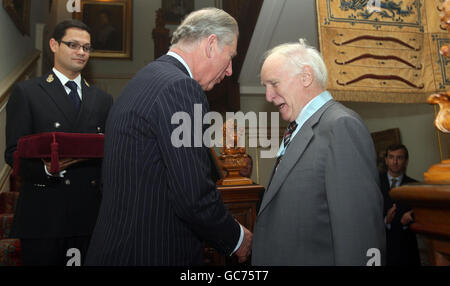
[(159, 202)]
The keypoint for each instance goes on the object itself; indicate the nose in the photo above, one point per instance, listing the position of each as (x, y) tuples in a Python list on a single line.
[(269, 94), (80, 51)]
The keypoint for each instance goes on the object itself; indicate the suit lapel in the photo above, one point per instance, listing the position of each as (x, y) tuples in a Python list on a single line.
[(53, 87), (88, 100), (296, 148)]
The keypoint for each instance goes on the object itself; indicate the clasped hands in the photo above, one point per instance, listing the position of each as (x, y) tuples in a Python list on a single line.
[(406, 219), (245, 249)]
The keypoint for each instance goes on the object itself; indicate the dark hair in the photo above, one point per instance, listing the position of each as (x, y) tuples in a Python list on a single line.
[(394, 147), (60, 29)]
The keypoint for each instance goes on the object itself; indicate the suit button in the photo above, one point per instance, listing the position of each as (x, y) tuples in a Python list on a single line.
[(67, 182), (94, 183)]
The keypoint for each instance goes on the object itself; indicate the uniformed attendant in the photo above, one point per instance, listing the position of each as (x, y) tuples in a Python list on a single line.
[(56, 212)]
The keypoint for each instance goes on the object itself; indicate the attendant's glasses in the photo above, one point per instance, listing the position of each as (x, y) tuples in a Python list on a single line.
[(76, 46)]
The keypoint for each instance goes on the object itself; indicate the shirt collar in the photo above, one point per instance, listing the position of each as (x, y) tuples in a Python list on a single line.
[(312, 107), (399, 178), (179, 58), (64, 79)]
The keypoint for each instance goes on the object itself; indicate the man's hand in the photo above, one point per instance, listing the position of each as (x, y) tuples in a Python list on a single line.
[(407, 218), (390, 214), (245, 249)]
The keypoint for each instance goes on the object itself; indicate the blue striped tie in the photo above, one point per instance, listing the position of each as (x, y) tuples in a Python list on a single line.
[(287, 139)]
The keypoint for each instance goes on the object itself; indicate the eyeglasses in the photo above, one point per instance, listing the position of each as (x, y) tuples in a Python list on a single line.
[(76, 46)]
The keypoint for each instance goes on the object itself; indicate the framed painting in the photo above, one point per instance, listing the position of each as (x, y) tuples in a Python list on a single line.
[(175, 10), (19, 11), (111, 26)]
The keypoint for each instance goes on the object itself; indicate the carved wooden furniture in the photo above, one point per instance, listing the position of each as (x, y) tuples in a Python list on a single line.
[(431, 207), (232, 158), (431, 201), (243, 203)]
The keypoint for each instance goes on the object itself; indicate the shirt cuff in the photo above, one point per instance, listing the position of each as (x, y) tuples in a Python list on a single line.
[(241, 238), (61, 174), (388, 225)]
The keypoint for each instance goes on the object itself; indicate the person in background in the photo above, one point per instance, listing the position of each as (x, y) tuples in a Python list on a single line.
[(401, 241), (57, 212)]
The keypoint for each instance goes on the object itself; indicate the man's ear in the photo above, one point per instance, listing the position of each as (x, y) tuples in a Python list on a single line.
[(307, 76), (211, 44), (53, 45)]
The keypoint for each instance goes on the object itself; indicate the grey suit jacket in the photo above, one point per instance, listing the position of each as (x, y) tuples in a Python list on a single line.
[(323, 205)]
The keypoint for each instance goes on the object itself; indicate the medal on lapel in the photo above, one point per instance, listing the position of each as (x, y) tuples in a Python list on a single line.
[(50, 78)]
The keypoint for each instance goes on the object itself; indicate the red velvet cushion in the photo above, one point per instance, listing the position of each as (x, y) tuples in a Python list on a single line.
[(8, 202), (58, 145)]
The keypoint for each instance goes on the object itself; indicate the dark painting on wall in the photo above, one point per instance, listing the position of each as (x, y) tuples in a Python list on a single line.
[(106, 24), (110, 23)]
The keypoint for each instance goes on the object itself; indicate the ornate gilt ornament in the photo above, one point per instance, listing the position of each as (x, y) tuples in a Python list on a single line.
[(50, 78)]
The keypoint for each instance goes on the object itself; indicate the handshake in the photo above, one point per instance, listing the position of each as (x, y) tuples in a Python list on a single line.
[(245, 249)]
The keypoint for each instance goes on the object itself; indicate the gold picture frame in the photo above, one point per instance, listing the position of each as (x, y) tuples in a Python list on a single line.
[(19, 11), (111, 26)]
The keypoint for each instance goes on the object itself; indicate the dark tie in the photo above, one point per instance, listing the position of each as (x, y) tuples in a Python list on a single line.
[(394, 183), (73, 94), (286, 139)]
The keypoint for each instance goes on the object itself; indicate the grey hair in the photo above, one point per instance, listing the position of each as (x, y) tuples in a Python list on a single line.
[(301, 54), (205, 22)]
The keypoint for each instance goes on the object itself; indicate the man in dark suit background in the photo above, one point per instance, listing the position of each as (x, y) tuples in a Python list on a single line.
[(56, 212), (401, 241), (159, 202)]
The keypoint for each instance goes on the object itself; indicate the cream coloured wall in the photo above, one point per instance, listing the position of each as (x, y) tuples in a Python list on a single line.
[(417, 131), (15, 50)]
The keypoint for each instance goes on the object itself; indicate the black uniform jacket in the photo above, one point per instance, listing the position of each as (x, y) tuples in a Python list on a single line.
[(50, 206)]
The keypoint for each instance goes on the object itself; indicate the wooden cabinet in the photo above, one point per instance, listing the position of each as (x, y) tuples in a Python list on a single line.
[(431, 207), (243, 203)]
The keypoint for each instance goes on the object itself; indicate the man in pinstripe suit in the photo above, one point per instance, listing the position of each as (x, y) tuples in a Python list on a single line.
[(159, 202)]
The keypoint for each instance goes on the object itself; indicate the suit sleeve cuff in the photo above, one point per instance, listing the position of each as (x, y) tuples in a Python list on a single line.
[(388, 225)]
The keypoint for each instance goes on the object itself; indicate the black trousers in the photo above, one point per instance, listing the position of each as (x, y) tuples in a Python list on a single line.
[(53, 251)]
